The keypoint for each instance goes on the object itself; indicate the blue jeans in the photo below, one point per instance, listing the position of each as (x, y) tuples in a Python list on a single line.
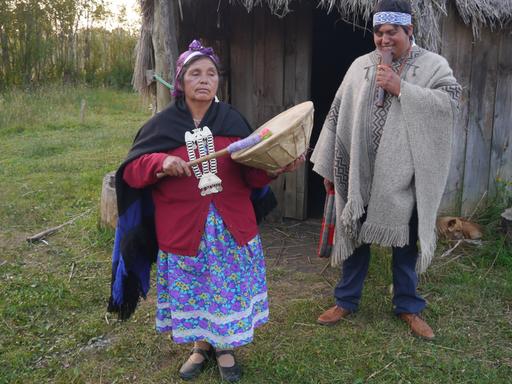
[(405, 279)]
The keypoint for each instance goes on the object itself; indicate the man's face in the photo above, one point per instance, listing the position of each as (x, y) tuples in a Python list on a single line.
[(394, 38)]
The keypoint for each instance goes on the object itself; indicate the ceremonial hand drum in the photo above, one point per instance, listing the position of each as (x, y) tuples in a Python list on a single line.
[(290, 134)]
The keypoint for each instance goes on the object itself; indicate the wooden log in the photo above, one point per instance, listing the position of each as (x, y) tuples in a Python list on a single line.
[(108, 204), (50, 231), (165, 43), (506, 223), (163, 96), (150, 76)]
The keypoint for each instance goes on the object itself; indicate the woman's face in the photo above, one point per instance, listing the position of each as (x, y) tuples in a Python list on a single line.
[(394, 38), (201, 80)]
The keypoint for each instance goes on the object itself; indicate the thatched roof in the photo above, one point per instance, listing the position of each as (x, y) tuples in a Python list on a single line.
[(427, 15), (495, 14), (485, 12)]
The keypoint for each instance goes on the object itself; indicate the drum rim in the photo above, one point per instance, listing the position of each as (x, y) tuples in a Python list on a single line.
[(309, 109)]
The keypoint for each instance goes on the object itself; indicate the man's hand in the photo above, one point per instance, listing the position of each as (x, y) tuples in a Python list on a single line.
[(387, 79), (328, 184), (175, 166)]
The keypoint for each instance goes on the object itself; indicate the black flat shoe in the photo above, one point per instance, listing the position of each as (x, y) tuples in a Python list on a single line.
[(229, 374), (192, 370)]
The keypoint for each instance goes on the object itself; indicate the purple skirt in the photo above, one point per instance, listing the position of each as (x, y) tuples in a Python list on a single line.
[(218, 296)]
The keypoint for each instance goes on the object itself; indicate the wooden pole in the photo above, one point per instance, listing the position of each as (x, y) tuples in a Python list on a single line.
[(165, 42), (214, 155), (83, 108)]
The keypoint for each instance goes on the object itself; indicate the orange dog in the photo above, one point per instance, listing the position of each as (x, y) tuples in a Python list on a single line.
[(457, 228)]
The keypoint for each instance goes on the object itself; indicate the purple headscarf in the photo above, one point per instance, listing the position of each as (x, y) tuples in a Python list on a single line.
[(195, 49)]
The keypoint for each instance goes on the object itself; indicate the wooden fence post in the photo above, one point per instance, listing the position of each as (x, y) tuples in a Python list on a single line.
[(108, 204)]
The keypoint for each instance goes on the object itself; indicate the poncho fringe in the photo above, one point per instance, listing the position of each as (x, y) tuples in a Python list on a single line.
[(384, 235)]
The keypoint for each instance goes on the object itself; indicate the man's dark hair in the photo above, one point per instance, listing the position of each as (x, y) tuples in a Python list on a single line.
[(403, 6)]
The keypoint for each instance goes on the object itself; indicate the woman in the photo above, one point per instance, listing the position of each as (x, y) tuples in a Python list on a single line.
[(211, 287)]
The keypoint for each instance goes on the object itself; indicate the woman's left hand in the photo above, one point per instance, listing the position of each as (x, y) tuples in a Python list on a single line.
[(294, 165)]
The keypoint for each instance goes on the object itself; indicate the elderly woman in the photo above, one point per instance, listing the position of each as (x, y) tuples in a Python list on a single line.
[(211, 287)]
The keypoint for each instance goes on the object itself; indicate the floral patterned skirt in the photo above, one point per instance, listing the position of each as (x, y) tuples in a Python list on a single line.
[(218, 296)]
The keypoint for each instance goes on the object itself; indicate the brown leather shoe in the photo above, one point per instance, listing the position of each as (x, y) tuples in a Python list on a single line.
[(332, 315), (418, 326)]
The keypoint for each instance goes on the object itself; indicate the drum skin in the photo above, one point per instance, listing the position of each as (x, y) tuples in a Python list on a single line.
[(290, 134)]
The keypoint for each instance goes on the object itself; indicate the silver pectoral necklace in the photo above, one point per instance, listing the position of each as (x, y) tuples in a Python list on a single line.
[(199, 143)]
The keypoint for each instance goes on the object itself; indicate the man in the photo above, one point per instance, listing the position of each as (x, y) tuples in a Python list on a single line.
[(388, 164)]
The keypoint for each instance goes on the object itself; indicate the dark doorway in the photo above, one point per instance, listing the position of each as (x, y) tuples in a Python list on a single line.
[(335, 46)]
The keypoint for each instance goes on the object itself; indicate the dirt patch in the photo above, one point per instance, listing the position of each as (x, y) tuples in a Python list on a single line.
[(293, 245), (291, 254)]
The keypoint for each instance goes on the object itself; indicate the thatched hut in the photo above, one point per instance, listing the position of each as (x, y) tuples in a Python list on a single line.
[(277, 53)]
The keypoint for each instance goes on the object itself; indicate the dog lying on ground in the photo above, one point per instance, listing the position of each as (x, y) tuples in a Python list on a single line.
[(457, 228)]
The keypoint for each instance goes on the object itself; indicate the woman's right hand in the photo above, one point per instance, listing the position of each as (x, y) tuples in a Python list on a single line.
[(175, 166)]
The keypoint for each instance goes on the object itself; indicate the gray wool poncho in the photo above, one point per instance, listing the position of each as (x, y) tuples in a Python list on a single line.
[(389, 159)]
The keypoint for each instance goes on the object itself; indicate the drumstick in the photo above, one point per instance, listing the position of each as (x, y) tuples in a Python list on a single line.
[(248, 142), (385, 59)]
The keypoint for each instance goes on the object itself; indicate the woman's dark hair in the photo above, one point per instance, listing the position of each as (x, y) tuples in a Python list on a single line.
[(403, 6)]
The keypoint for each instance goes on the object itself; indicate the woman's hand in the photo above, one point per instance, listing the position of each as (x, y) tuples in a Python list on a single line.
[(290, 167), (175, 166)]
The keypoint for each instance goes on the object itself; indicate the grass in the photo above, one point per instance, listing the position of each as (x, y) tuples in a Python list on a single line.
[(53, 327)]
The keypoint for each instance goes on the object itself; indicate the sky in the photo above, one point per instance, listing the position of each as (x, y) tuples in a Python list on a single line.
[(132, 13)]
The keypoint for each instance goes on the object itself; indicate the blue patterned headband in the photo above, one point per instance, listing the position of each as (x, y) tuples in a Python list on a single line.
[(396, 18)]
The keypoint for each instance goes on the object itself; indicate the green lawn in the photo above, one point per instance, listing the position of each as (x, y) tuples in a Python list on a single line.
[(53, 327)]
